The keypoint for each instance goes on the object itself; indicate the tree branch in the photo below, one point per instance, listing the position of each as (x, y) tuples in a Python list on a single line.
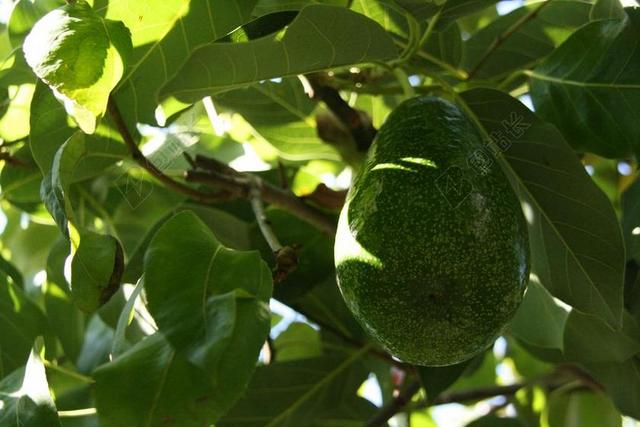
[(237, 184), (145, 163), (362, 132), (395, 406), (498, 41)]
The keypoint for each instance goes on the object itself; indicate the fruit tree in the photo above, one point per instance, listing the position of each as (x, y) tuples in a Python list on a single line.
[(319, 213)]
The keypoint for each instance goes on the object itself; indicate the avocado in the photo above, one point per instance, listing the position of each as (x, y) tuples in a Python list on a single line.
[(432, 251)]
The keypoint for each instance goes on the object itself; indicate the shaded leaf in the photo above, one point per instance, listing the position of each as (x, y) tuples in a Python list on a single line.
[(152, 385), (631, 220), (576, 244), (435, 380), (594, 73), (531, 42), (622, 383), (581, 409), (297, 392), (540, 321), (298, 341), (22, 322)]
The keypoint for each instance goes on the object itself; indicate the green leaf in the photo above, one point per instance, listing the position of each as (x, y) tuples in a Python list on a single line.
[(581, 409), (631, 219), (96, 269), (450, 9), (622, 383), (283, 114), (153, 385), (566, 212), (297, 392), (532, 41), (25, 399), (7, 269), (21, 182), (590, 76), (607, 9), (210, 302), (548, 329), (25, 14), (298, 341), (126, 316), (435, 380), (320, 37), (582, 331), (22, 322), (14, 124), (81, 56), (165, 34)]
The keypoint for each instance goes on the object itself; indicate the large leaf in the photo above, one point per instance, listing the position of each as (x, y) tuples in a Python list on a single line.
[(81, 56), (25, 399), (582, 331), (449, 9), (152, 385), (295, 393), (595, 73), (532, 41), (210, 302), (165, 33), (631, 220), (575, 238), (435, 380), (283, 114), (22, 321), (319, 38)]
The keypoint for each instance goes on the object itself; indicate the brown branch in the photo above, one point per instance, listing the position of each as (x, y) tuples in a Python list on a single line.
[(237, 184), (14, 161), (498, 41), (362, 132), (145, 163), (395, 406)]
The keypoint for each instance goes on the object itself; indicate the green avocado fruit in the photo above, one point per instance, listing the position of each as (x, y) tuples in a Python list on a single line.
[(432, 251)]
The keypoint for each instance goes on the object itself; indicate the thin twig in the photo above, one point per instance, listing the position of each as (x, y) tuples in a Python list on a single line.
[(238, 185), (395, 406), (361, 130), (498, 41), (286, 256), (145, 163)]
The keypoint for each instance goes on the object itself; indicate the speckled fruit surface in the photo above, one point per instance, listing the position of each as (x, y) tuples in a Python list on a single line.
[(432, 253)]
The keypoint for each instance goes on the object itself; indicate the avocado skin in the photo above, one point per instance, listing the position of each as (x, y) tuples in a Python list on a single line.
[(433, 281)]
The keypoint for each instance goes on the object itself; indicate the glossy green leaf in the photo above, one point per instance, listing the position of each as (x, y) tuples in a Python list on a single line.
[(450, 9), (165, 34), (337, 37), (547, 330), (532, 41), (565, 210), (607, 9), (22, 322), (25, 399), (581, 409), (297, 392), (283, 114), (25, 13), (81, 56), (210, 302), (151, 385), (590, 76)]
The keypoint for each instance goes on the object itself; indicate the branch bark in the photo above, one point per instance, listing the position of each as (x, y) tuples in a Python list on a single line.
[(395, 406), (362, 132)]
